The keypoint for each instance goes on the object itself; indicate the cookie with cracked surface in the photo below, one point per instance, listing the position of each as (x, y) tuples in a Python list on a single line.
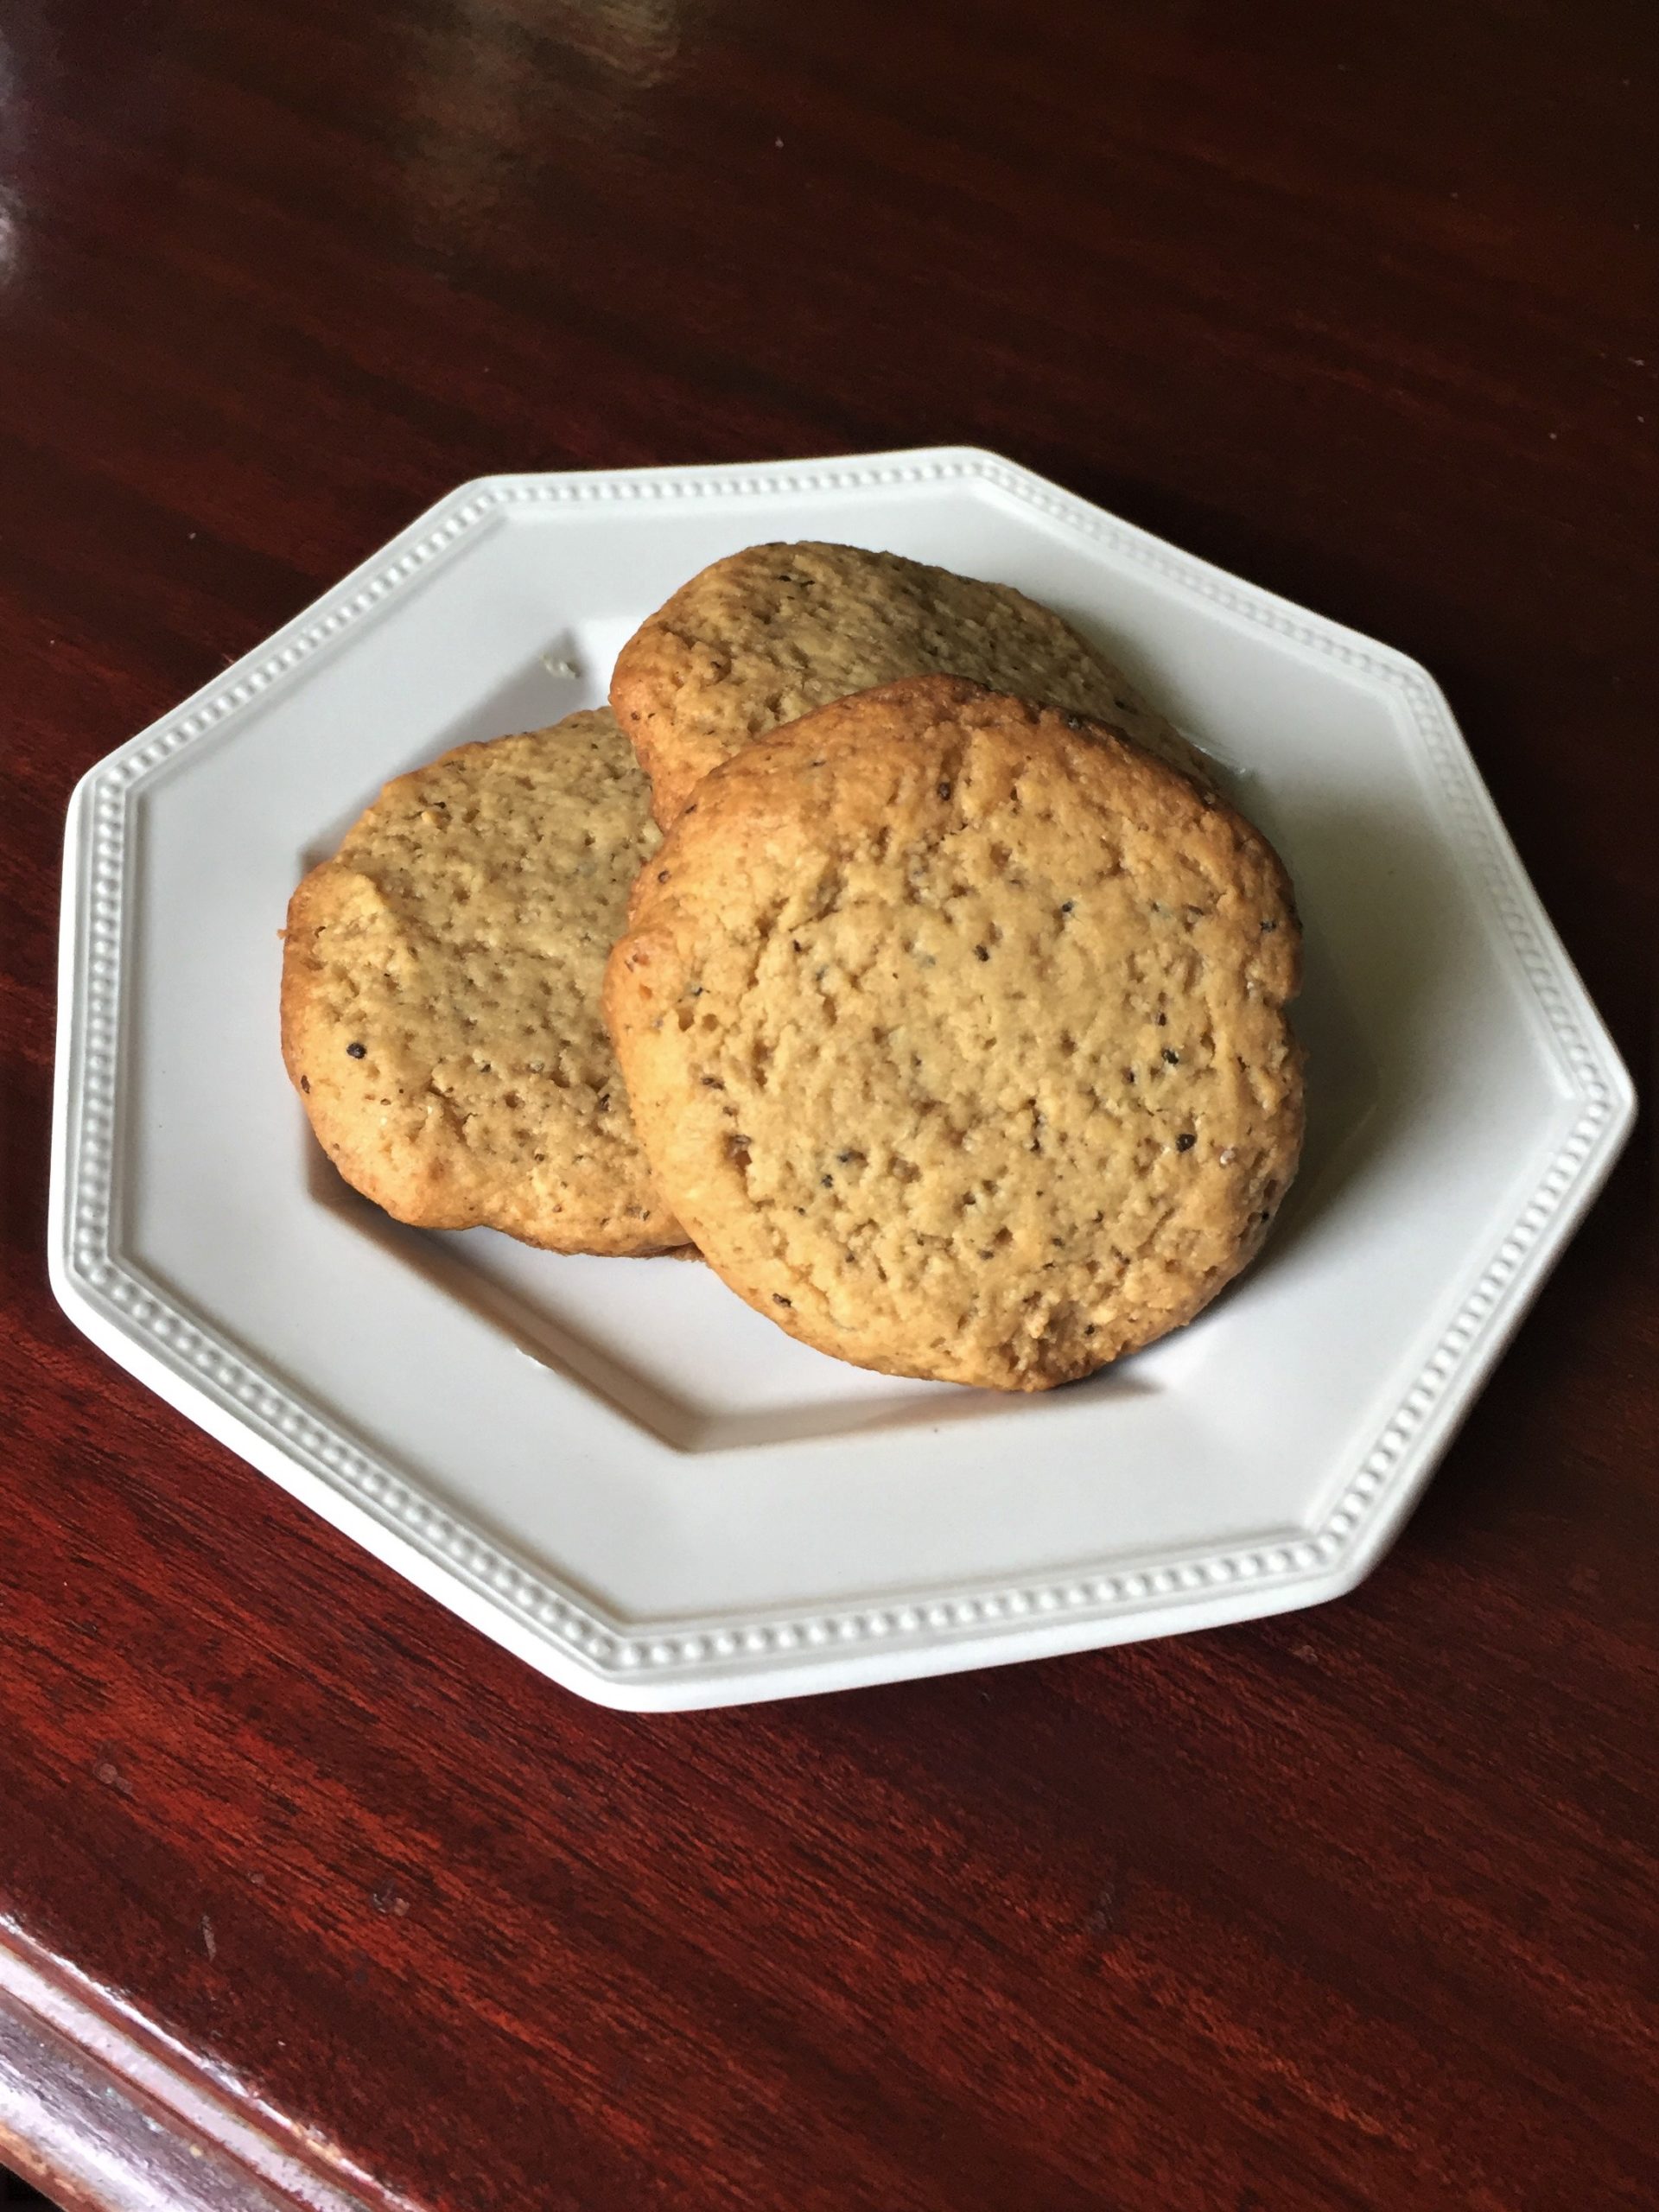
[(441, 987), (955, 1034), (765, 635)]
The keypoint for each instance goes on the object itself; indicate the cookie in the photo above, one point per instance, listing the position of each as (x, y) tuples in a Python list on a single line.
[(954, 1029), (768, 634), (440, 985)]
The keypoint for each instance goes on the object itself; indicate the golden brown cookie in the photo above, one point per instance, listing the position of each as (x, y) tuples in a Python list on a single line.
[(769, 634), (954, 1031), (441, 983)]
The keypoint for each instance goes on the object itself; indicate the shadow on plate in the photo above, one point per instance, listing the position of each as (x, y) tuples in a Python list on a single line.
[(551, 1339)]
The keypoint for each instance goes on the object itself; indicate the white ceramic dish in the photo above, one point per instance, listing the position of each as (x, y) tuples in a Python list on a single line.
[(613, 1467)]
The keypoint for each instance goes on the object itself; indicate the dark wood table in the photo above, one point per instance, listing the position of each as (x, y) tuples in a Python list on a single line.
[(311, 1896)]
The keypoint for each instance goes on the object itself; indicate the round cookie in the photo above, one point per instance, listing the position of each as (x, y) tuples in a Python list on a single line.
[(769, 634), (956, 1036), (441, 987)]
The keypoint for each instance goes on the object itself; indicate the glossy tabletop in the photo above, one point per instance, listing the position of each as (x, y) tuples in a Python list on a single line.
[(310, 1896)]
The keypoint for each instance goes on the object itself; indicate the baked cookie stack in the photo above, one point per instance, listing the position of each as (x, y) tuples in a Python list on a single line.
[(947, 1018)]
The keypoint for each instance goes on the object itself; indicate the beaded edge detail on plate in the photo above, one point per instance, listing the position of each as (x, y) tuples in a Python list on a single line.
[(534, 1600)]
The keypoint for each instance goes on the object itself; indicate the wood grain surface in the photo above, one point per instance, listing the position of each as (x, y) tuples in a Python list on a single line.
[(1351, 1908)]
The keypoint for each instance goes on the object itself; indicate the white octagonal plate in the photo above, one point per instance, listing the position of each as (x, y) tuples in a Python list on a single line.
[(614, 1467)]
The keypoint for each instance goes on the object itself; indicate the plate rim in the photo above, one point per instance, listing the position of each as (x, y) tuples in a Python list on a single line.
[(699, 1661)]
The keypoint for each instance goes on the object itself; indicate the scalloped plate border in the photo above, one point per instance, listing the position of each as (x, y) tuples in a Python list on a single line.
[(688, 1663)]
